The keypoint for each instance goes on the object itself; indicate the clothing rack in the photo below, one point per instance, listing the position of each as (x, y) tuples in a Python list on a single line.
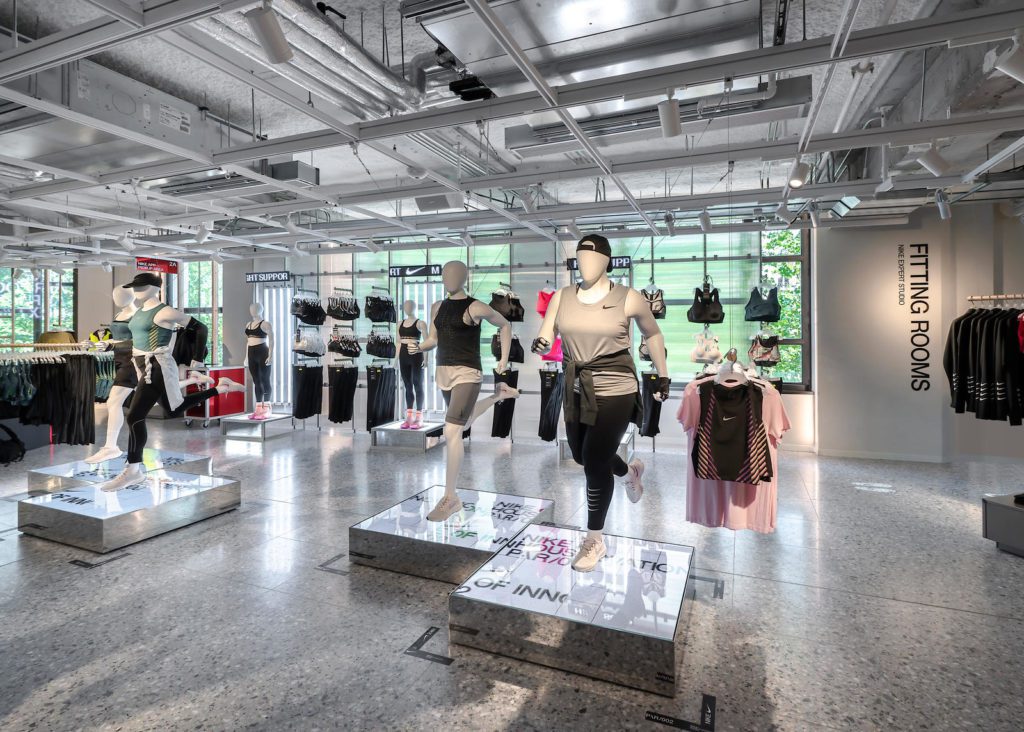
[(57, 346), (342, 289), (992, 298), (378, 287)]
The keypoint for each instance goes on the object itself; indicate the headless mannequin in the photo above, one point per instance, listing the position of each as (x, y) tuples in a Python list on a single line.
[(595, 287), (125, 301), (154, 378), (259, 350), (454, 276), (410, 365)]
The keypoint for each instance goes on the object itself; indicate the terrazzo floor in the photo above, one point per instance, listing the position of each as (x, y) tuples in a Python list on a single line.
[(876, 605)]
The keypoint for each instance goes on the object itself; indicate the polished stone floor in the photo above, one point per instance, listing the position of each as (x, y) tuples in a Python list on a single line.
[(876, 605)]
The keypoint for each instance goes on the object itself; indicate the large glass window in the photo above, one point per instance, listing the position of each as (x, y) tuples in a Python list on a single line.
[(202, 286), (33, 302)]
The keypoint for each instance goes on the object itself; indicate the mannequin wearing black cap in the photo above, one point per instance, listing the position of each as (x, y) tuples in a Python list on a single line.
[(602, 390), (152, 327)]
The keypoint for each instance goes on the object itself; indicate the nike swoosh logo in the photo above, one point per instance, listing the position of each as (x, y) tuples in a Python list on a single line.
[(413, 271), (726, 419), (607, 307)]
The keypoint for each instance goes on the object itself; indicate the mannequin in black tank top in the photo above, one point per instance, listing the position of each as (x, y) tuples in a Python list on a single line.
[(410, 365), (454, 330)]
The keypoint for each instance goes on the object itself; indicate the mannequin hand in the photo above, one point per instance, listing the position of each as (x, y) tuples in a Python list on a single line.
[(197, 365), (661, 393), (412, 347), (267, 362), (245, 362), (540, 345)]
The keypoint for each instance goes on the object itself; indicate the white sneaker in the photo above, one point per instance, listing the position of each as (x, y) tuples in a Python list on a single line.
[(634, 488), (445, 508), (131, 474), (590, 553)]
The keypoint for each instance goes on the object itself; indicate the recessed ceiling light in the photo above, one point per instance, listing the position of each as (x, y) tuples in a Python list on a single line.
[(798, 175), (942, 201)]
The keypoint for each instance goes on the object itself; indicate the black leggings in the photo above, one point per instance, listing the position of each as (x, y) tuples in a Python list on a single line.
[(595, 448), (411, 365), (145, 397), (259, 369)]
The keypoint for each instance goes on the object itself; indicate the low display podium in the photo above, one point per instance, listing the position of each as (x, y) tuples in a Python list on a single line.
[(619, 623), (625, 451), (427, 437), (401, 539), (256, 430), (1003, 522), (90, 518), (81, 473)]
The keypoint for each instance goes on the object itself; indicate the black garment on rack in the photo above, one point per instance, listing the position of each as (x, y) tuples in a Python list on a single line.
[(985, 366), (381, 345), (501, 423), (552, 390), (650, 426), (190, 343), (75, 423), (761, 308), (342, 381), (516, 353), (381, 382), (706, 308), (308, 387), (380, 309)]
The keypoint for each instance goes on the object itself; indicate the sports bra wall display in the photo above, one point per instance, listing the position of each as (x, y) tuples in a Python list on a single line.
[(706, 308), (760, 307), (380, 308), (344, 307), (706, 351), (309, 311), (381, 345), (345, 344), (764, 350), (656, 302), (309, 344)]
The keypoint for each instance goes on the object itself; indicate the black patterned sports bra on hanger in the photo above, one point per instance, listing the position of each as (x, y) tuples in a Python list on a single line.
[(761, 308), (656, 302), (706, 308)]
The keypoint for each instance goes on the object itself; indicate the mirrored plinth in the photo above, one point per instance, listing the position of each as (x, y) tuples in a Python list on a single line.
[(619, 623), (240, 427), (625, 451), (79, 473), (402, 540), (90, 518), (1003, 523), (427, 437)]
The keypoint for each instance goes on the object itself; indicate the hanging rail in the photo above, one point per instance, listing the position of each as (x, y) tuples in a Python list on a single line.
[(989, 298)]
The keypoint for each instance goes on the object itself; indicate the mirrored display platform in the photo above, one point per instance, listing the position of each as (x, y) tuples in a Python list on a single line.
[(625, 451), (1002, 521), (240, 427), (79, 473), (619, 623), (402, 540), (427, 437), (90, 518)]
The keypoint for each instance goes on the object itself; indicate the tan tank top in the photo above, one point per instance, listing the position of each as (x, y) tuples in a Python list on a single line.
[(598, 329)]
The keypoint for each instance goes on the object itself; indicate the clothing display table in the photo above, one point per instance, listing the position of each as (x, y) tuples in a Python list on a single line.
[(625, 451), (619, 623), (256, 430), (89, 518), (427, 437), (81, 473), (1003, 522), (401, 539)]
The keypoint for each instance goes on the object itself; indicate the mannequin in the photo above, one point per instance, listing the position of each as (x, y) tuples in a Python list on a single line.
[(152, 327), (259, 354), (601, 386), (455, 333), (410, 331)]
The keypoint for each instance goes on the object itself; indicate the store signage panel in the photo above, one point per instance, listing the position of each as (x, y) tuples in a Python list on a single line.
[(421, 270), (617, 263), (252, 278), (148, 264)]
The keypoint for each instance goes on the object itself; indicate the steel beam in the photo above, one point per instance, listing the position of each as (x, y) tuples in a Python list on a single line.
[(120, 10)]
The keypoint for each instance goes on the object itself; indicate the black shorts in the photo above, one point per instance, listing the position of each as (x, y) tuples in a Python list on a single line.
[(124, 370)]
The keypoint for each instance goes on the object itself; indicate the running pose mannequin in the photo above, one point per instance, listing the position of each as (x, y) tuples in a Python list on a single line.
[(601, 387), (410, 365), (455, 332), (259, 353), (152, 328)]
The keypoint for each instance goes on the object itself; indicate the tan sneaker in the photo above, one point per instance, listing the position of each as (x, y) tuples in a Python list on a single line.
[(591, 552), (445, 508)]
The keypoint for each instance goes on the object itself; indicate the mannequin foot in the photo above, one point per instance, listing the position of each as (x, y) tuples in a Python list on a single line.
[(417, 421), (445, 508), (262, 412), (132, 473), (226, 385), (634, 488), (590, 553), (506, 392), (200, 378), (104, 454), (407, 424)]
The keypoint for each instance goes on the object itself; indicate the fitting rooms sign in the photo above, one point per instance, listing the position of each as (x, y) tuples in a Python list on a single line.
[(914, 293)]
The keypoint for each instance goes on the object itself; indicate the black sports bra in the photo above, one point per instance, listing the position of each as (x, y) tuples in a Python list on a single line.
[(656, 302), (706, 307), (409, 331), (765, 309), (256, 332)]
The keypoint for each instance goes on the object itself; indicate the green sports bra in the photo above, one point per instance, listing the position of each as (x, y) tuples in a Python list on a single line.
[(146, 334)]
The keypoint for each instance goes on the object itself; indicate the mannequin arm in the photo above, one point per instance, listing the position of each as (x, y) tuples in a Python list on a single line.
[(429, 343), (483, 311), (638, 309), (547, 329), (269, 330)]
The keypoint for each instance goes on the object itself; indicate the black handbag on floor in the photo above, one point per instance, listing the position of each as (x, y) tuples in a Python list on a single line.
[(11, 450), (516, 354)]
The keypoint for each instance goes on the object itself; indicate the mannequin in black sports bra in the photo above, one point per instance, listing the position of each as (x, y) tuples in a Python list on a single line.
[(259, 354), (410, 331)]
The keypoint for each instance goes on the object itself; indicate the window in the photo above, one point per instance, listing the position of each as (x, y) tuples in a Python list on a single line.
[(32, 302), (202, 291), (784, 261)]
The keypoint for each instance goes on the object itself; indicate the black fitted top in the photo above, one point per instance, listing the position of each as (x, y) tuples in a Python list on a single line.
[(410, 331), (256, 332), (458, 344)]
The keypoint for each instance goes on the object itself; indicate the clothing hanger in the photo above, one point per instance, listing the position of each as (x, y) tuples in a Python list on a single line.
[(651, 287)]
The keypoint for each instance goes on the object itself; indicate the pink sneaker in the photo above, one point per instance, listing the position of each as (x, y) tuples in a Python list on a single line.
[(407, 424), (417, 422)]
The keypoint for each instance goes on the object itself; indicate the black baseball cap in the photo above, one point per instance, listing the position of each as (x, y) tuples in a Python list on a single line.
[(144, 279), (595, 243)]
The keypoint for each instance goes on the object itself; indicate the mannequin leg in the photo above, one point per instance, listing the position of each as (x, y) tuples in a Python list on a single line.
[(115, 421)]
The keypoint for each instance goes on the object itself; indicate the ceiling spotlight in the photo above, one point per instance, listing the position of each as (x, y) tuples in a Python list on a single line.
[(298, 252), (815, 214), (216, 257), (127, 244), (942, 201), (670, 223), (416, 172), (783, 212), (704, 218), (291, 227), (107, 267), (203, 234), (668, 114), (1011, 63), (468, 240), (573, 229), (371, 246), (264, 25), (798, 175), (933, 162)]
